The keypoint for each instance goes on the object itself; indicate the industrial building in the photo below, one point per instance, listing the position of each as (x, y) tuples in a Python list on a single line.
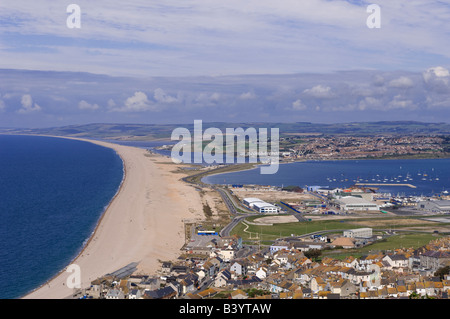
[(358, 233), (435, 206), (250, 201), (261, 206), (351, 203)]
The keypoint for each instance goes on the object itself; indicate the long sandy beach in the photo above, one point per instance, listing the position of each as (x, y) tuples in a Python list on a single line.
[(143, 223)]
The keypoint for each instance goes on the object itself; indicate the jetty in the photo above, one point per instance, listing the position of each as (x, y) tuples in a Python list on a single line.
[(385, 184)]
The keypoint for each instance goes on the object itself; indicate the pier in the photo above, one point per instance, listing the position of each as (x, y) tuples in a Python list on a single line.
[(385, 184)]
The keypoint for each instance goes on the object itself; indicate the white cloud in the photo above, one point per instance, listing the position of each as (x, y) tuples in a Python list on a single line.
[(2, 106), (137, 103), (27, 105), (402, 82), (83, 105), (298, 105), (369, 103), (207, 99), (247, 96), (438, 71), (437, 79), (400, 102), (163, 97), (319, 91)]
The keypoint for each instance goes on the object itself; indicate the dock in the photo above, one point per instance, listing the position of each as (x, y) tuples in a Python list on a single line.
[(385, 184)]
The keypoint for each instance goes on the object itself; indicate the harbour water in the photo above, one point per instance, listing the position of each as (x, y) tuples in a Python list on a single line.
[(429, 176)]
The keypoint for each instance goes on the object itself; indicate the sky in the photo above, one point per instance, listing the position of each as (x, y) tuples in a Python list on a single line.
[(253, 60)]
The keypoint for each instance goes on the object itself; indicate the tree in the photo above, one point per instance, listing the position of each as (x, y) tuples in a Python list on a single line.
[(313, 254), (443, 271)]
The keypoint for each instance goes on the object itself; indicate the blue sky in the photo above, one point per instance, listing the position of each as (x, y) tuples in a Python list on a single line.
[(175, 61)]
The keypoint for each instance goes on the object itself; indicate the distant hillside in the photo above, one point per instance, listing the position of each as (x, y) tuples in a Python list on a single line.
[(163, 131)]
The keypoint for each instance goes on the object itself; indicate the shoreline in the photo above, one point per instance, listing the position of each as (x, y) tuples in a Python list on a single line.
[(97, 224), (114, 216)]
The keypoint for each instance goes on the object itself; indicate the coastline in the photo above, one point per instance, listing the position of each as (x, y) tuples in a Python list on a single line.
[(88, 240), (114, 243)]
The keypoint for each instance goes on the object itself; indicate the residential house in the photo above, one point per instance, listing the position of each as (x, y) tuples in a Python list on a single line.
[(317, 284), (402, 291), (261, 273), (222, 278), (370, 259), (239, 294), (342, 287), (392, 292), (115, 294), (207, 293), (279, 246), (226, 254), (135, 294), (166, 268), (162, 293), (187, 285), (344, 242), (420, 288), (350, 262), (278, 286), (245, 283), (150, 283), (239, 267), (179, 270), (397, 260), (434, 259)]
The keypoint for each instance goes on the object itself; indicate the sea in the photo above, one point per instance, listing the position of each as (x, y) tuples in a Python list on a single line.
[(52, 193), (429, 176)]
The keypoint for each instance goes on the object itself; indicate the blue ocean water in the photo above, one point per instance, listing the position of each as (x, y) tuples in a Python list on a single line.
[(52, 194), (430, 176)]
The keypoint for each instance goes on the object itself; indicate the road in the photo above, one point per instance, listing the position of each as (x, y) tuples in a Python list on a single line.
[(294, 213)]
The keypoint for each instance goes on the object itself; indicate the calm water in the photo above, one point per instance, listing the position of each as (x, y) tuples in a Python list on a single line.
[(429, 175), (52, 193)]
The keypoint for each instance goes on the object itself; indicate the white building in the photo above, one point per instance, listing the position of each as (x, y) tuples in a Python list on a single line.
[(265, 208), (358, 233), (351, 203), (250, 201), (435, 206), (260, 205)]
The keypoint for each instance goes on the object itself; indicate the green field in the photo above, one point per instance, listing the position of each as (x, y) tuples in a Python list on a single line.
[(286, 229), (391, 243), (268, 233)]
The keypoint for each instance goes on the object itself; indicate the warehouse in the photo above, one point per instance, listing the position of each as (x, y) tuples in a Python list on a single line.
[(435, 206), (351, 203), (265, 208), (260, 205), (250, 201), (358, 233)]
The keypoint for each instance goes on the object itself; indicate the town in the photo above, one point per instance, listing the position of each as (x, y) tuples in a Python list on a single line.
[(323, 263), (300, 147)]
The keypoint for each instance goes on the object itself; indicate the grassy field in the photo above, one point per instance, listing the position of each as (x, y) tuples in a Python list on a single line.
[(286, 229), (391, 243), (267, 233)]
